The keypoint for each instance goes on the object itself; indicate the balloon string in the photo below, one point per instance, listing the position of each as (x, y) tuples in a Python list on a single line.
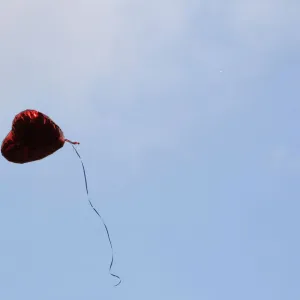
[(87, 192)]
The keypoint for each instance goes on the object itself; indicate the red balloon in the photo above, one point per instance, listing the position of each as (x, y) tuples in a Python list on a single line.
[(33, 137)]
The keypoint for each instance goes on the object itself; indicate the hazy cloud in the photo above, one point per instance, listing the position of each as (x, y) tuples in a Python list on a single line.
[(119, 69)]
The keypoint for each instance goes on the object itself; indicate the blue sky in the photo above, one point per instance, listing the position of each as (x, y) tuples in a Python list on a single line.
[(187, 114)]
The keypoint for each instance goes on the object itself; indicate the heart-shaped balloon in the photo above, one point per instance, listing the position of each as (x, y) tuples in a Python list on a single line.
[(33, 136)]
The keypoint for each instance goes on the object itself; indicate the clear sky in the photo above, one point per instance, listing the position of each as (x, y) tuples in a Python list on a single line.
[(188, 116)]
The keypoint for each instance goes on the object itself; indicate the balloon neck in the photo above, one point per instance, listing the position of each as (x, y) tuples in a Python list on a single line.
[(74, 143)]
